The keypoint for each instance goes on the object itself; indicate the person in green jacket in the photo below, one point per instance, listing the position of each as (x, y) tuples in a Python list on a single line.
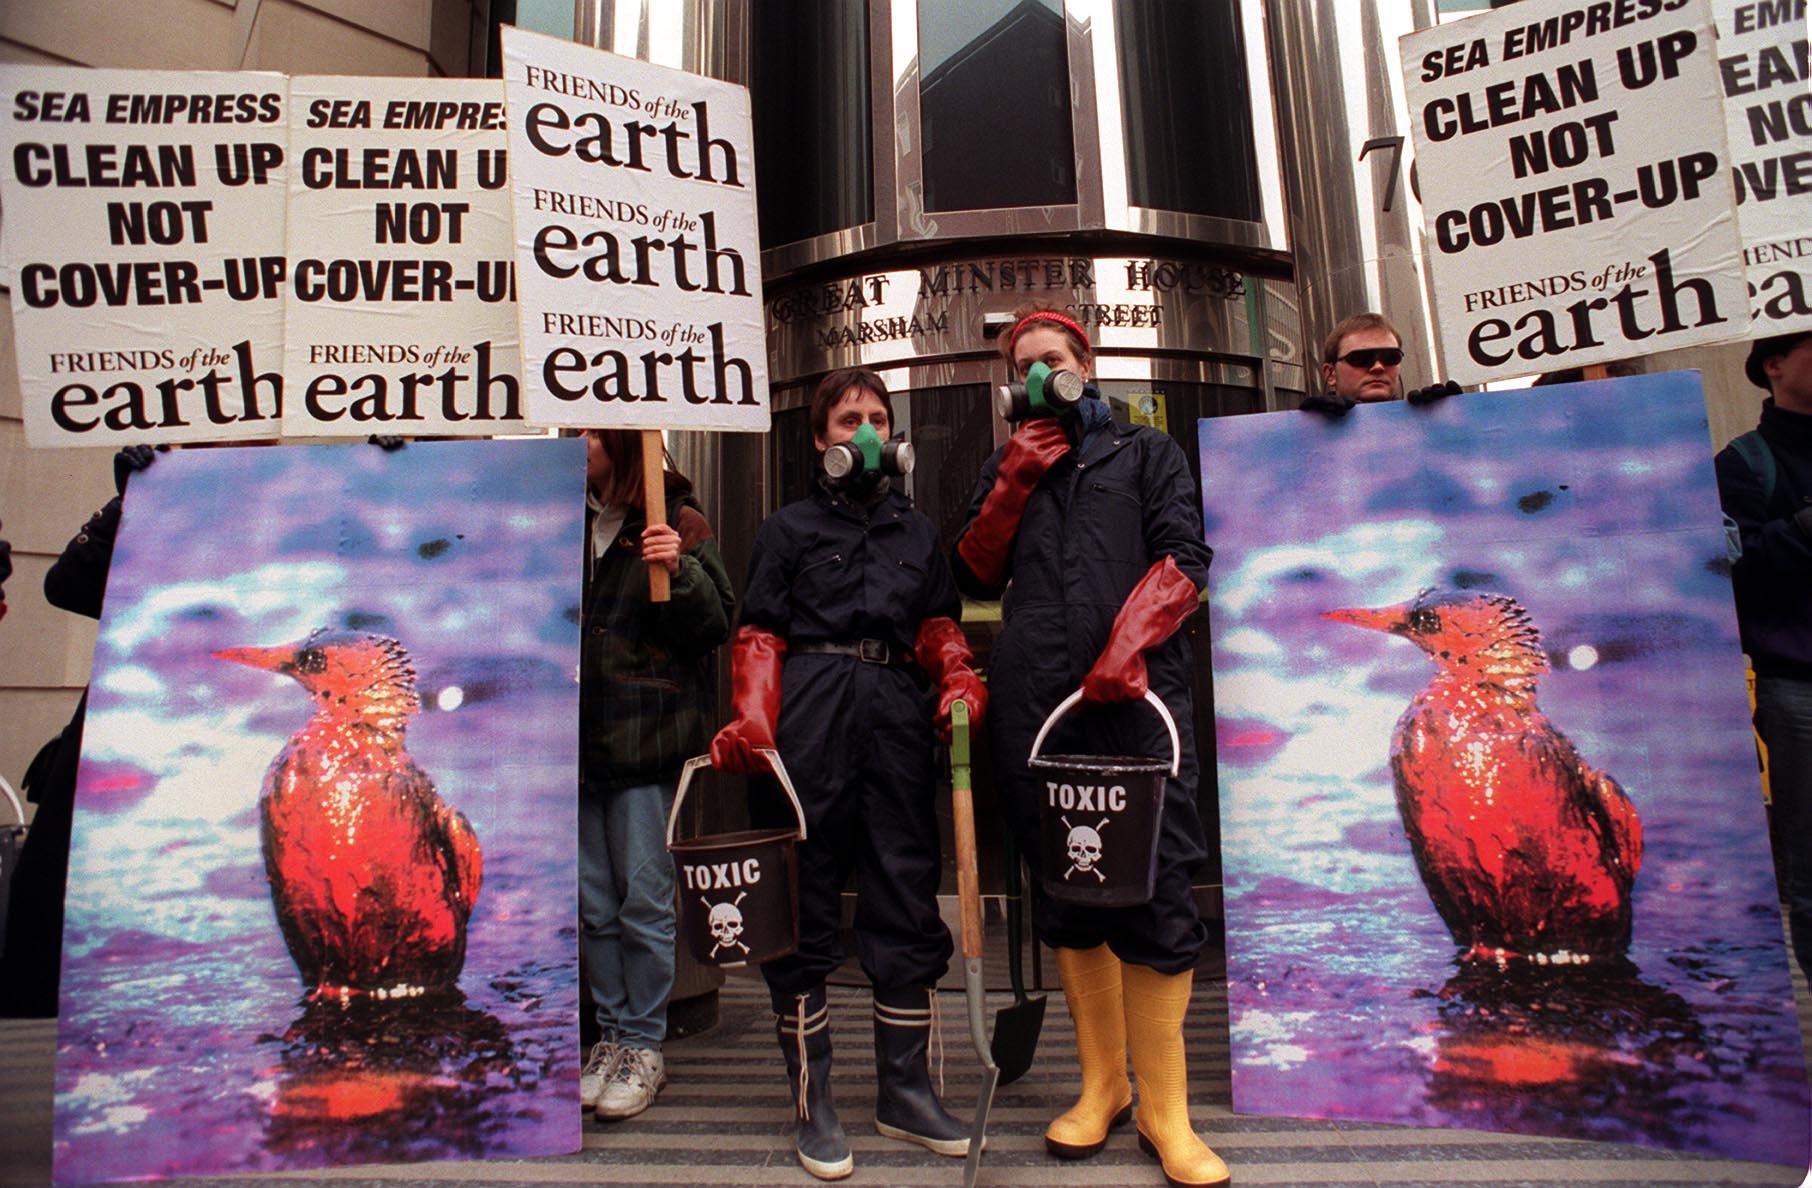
[(643, 710)]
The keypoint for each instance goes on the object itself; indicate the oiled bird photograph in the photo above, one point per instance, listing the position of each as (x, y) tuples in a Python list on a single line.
[(1494, 848), (321, 903), (1528, 852), (373, 876)]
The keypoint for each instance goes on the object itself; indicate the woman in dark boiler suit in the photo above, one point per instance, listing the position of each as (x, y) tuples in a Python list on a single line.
[(1098, 527), (849, 610)]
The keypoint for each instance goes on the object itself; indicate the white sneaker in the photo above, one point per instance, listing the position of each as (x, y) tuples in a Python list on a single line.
[(598, 1067), (638, 1076)]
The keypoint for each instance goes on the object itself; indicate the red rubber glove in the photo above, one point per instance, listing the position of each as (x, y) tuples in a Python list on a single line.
[(944, 654), (1161, 602), (1030, 453), (755, 660)]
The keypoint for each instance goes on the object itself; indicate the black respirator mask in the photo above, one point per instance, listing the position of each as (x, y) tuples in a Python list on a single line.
[(864, 460), (1043, 393)]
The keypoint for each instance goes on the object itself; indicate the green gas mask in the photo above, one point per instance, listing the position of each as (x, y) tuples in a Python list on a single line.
[(865, 459), (1043, 393)]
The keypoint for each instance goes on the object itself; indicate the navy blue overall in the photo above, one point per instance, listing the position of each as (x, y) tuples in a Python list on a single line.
[(1098, 520), (855, 735)]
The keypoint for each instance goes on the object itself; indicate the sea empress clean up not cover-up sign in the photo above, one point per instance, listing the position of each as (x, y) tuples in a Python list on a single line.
[(401, 315), (145, 226), (638, 263), (1763, 61), (1576, 185)]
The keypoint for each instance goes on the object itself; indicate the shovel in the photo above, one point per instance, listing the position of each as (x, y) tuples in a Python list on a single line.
[(1016, 1027), (962, 810)]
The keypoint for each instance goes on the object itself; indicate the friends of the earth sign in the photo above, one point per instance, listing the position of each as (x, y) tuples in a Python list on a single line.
[(638, 262)]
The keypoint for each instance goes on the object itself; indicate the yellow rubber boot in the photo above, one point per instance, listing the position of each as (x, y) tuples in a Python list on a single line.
[(1155, 1006), (1091, 986)]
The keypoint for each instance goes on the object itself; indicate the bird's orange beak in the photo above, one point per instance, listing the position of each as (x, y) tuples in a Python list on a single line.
[(1384, 618), (269, 659)]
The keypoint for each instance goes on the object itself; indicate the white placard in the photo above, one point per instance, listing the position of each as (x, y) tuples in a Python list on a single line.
[(401, 316), (637, 259), (1762, 56), (1575, 183), (144, 216)]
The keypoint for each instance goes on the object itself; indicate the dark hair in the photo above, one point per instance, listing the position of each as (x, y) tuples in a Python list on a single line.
[(838, 384), (624, 449), (1615, 369), (1004, 341), (1330, 349)]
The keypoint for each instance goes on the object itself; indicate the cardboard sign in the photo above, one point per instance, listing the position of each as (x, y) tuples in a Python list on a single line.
[(321, 871), (638, 264), (401, 316), (1768, 105), (1575, 184), (144, 216), (1495, 852)]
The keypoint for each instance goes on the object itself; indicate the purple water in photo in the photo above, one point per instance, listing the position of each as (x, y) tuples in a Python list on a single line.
[(188, 1040), (1665, 1016)]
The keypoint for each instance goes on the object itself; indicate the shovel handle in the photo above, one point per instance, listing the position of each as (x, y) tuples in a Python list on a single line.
[(962, 812)]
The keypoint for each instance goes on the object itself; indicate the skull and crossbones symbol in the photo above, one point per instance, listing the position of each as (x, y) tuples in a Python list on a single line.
[(1084, 848), (726, 924)]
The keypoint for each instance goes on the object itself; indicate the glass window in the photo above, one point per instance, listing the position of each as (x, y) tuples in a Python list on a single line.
[(1187, 110), (809, 89), (994, 104)]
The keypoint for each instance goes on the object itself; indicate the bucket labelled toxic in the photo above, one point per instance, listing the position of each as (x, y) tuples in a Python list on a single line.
[(738, 892), (1098, 817)]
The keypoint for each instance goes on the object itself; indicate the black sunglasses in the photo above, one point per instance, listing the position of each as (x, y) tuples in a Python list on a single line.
[(1366, 356)]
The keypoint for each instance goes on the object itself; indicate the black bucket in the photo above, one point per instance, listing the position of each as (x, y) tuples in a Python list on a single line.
[(1098, 818), (738, 892)]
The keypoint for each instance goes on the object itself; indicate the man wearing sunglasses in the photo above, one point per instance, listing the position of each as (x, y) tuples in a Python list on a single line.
[(1361, 363)]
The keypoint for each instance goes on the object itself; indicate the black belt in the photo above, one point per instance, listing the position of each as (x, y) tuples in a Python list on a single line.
[(871, 651)]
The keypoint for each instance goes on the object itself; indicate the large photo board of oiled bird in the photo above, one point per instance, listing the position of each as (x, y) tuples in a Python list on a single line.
[(1494, 842), (321, 894)]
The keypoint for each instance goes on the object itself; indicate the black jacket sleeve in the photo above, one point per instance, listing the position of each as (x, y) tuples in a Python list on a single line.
[(1775, 551), (767, 598), (77, 581), (966, 581), (1173, 510)]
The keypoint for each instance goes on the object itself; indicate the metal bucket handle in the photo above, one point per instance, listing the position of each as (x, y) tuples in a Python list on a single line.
[(1170, 724), (774, 764)]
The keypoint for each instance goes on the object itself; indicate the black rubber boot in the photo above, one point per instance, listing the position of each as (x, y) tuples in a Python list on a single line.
[(905, 1106), (804, 1033)]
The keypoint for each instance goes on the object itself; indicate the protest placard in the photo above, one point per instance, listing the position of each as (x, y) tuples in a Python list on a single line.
[(638, 263), (1575, 184), (401, 315), (1762, 62), (145, 224)]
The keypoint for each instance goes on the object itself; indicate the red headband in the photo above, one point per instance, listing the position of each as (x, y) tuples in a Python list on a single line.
[(1050, 315)]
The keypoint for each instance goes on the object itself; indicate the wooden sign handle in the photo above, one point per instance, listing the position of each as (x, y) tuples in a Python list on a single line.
[(654, 503)]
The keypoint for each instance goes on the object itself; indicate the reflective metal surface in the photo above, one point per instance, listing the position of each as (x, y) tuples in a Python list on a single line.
[(933, 325), (1343, 139), (1098, 134)]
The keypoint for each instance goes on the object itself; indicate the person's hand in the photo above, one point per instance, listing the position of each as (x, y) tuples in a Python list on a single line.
[(1433, 392), (1033, 450), (386, 443), (130, 459), (661, 546), (1328, 404), (756, 659)]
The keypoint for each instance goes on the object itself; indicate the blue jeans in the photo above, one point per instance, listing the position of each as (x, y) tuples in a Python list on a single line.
[(626, 923), (1783, 717)]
